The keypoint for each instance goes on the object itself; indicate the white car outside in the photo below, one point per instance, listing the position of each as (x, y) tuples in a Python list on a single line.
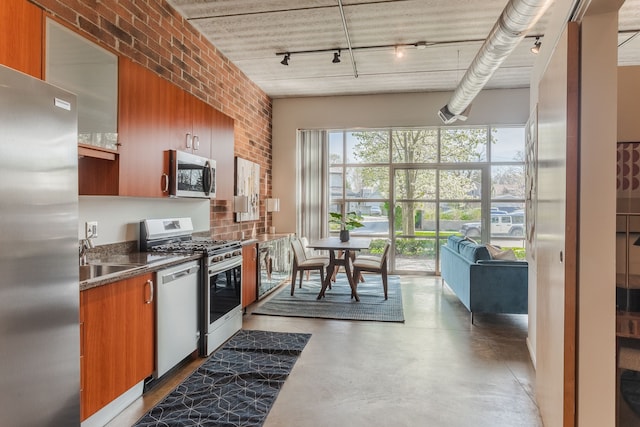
[(500, 225)]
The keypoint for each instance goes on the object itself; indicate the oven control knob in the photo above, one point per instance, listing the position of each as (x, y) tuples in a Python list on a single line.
[(216, 258), (227, 255), (236, 253)]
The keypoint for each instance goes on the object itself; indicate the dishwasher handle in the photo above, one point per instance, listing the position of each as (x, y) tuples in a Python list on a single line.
[(168, 278)]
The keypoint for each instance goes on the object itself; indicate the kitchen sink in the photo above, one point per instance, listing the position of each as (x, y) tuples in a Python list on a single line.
[(91, 271)]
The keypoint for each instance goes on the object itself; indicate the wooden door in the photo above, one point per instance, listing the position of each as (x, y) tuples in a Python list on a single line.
[(118, 340), (21, 36), (249, 274)]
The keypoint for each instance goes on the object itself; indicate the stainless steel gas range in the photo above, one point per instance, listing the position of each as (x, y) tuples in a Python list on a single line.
[(220, 290)]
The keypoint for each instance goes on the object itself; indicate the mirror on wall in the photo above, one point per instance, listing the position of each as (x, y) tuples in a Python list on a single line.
[(91, 72)]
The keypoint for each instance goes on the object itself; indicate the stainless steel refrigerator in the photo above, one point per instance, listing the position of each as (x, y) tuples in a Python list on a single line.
[(39, 294)]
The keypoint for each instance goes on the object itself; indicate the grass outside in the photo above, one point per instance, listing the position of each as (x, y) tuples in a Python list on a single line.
[(425, 245)]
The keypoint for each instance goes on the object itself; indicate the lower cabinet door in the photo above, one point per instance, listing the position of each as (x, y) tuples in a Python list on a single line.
[(117, 340), (249, 274)]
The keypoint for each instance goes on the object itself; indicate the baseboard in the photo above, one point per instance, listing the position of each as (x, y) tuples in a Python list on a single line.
[(106, 414), (532, 353)]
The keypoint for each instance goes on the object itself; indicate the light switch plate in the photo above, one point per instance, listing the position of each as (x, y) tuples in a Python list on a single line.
[(91, 229)]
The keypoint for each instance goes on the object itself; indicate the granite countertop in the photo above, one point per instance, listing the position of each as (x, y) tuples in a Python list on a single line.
[(142, 262)]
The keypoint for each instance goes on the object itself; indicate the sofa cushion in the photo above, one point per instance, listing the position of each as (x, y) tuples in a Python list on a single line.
[(453, 243), (473, 251)]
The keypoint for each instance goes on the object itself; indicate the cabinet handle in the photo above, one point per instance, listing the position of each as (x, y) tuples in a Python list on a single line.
[(178, 274), (166, 183), (188, 140), (150, 300), (81, 339), (196, 142)]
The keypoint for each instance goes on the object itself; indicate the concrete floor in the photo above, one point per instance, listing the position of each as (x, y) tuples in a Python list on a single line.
[(434, 370)]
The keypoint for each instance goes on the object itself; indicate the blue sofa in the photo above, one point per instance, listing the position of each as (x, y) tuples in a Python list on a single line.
[(482, 284)]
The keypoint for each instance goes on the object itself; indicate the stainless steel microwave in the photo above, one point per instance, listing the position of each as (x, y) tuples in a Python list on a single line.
[(191, 175)]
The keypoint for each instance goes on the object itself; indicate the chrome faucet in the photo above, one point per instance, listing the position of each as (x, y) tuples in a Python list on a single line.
[(85, 245)]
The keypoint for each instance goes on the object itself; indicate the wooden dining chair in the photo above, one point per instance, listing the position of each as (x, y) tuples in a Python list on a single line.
[(302, 263), (373, 264), (308, 252)]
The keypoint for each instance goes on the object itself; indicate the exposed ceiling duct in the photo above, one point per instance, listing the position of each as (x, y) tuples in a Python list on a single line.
[(510, 28)]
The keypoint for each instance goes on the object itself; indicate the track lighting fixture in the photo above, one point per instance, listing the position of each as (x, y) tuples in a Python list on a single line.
[(399, 49), (536, 46)]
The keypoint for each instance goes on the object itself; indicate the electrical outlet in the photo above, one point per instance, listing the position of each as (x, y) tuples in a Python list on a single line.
[(91, 229)]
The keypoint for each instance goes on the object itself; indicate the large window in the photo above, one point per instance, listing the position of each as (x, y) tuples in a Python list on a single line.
[(420, 185)]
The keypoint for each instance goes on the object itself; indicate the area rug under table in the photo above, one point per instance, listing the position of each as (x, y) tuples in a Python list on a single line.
[(337, 303), (236, 386)]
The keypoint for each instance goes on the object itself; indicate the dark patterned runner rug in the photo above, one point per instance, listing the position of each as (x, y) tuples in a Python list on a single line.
[(236, 386)]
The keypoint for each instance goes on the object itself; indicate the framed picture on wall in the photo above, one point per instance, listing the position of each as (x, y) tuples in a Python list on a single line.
[(248, 184)]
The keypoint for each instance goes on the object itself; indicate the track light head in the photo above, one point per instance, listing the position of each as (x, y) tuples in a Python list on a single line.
[(536, 46), (285, 60), (336, 57)]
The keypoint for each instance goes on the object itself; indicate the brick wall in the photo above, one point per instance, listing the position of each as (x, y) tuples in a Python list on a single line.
[(153, 34)]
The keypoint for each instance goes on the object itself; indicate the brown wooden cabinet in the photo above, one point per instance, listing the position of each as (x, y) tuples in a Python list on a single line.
[(150, 111), (222, 151), (146, 113), (155, 116), (117, 340), (195, 127), (21, 36), (249, 274)]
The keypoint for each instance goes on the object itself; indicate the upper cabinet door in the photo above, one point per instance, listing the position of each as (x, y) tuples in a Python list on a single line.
[(91, 72), (222, 151), (145, 131), (21, 36), (191, 119), (201, 119)]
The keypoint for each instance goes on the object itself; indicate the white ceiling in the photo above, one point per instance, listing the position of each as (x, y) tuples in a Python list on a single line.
[(251, 32)]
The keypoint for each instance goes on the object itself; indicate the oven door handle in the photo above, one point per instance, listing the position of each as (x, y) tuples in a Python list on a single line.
[(180, 273), (222, 266)]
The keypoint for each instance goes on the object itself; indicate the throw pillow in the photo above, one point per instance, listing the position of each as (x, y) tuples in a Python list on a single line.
[(497, 252)]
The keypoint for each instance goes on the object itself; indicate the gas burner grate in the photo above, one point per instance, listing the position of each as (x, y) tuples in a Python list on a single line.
[(208, 247)]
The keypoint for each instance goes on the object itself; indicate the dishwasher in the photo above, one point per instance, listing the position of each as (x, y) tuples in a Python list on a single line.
[(177, 330)]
